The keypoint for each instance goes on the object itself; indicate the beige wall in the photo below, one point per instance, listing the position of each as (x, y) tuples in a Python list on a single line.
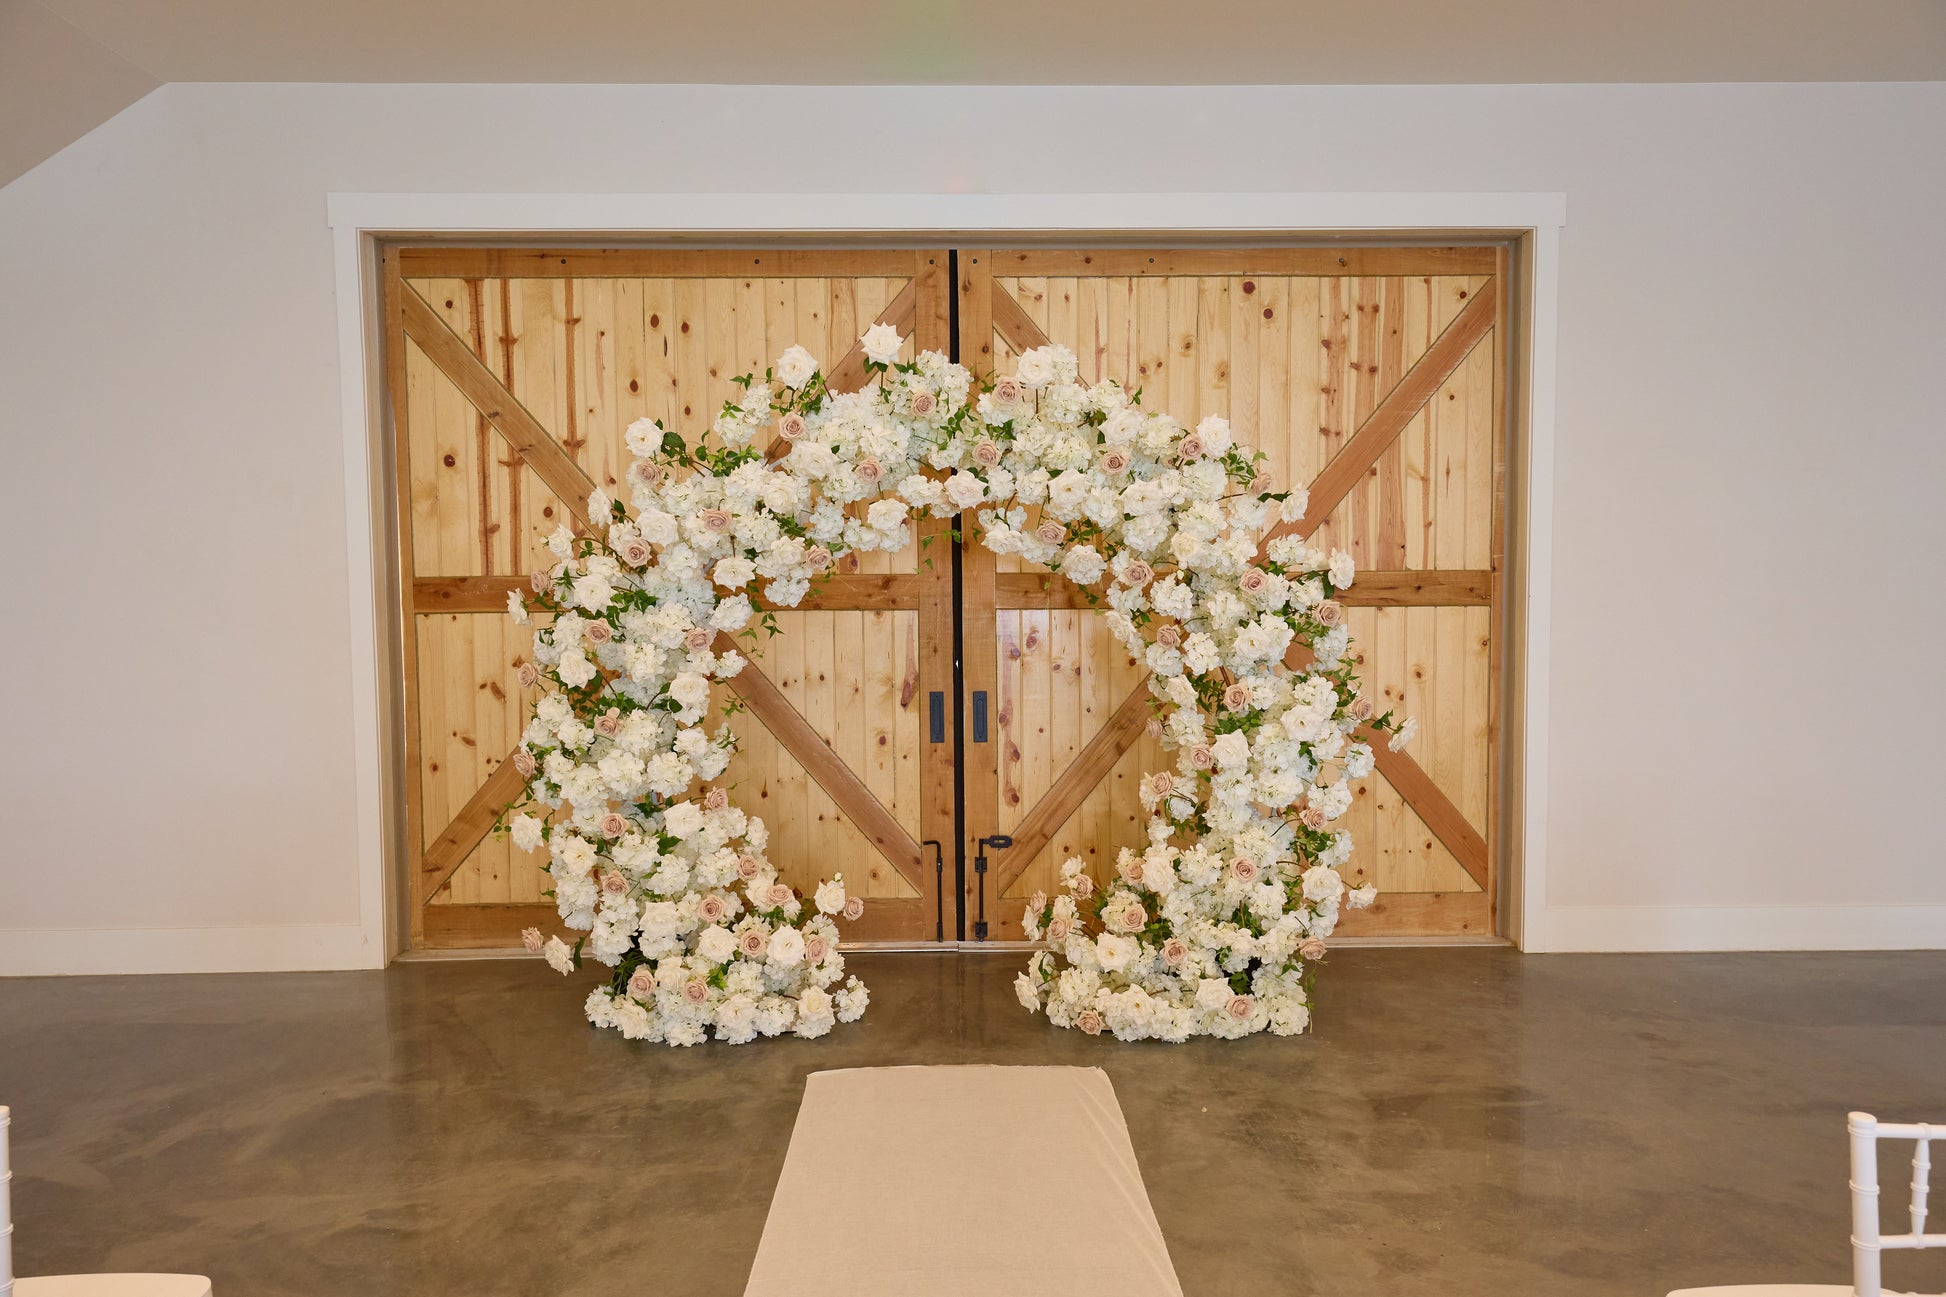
[(1753, 310)]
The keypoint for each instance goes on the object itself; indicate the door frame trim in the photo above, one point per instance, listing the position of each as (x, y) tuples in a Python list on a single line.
[(359, 221)]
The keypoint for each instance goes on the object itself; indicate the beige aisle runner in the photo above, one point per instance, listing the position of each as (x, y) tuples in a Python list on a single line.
[(961, 1182)]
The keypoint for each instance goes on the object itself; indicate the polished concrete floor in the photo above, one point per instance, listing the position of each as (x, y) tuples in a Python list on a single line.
[(1463, 1121)]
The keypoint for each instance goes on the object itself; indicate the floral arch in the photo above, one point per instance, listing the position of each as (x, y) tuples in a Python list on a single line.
[(1215, 928)]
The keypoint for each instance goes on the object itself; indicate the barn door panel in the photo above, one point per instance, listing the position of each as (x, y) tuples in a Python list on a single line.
[(515, 373), (1370, 375)]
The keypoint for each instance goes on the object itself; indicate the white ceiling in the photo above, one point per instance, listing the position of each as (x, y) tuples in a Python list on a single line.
[(66, 65), (1184, 42)]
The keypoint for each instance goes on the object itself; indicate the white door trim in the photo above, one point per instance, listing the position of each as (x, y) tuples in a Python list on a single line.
[(358, 220)]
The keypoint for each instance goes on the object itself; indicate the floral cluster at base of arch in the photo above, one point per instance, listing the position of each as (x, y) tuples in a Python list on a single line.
[(1216, 927)]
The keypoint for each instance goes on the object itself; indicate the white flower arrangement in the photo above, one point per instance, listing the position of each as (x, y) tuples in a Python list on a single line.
[(1214, 929)]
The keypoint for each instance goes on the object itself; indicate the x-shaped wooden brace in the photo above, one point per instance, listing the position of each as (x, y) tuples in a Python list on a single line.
[(532, 443), (1399, 407)]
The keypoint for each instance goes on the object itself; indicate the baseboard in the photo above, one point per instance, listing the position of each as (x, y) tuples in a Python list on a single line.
[(67, 952), (1739, 927)]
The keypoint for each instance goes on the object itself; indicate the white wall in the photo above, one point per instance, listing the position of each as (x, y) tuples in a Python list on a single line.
[(1753, 311)]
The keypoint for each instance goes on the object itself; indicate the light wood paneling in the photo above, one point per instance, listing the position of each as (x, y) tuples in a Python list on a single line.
[(515, 373), (1370, 376)]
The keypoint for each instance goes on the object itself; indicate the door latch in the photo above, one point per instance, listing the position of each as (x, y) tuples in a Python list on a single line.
[(999, 842)]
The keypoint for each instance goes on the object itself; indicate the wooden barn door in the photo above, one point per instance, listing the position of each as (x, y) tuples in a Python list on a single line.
[(1373, 377), (512, 374)]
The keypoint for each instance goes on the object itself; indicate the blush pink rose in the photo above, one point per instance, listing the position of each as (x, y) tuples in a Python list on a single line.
[(1133, 870), (1153, 728), (791, 426), (1244, 869), (986, 453), (641, 983), (1059, 927), (1133, 917), (1202, 757), (716, 799), (1174, 952), (1007, 390), (854, 908), (817, 558), (1310, 948), (1089, 1021), (1162, 783), (815, 948), (1114, 462), (923, 404), (609, 723), (1169, 636), (531, 939), (696, 992), (1236, 697), (714, 520), (636, 553), (747, 867), (1053, 533), (869, 470), (712, 908), (1190, 447), (528, 676), (1312, 817), (613, 825), (778, 894), (696, 640), (1138, 573), (1084, 886), (1240, 1007), (524, 762), (1253, 580), (753, 942), (1329, 613), (613, 883), (1259, 484), (1361, 707), (541, 582)]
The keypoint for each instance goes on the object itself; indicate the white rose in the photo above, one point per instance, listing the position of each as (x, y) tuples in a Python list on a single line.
[(830, 896), (716, 944), (965, 490), (526, 833), (1232, 750), (644, 438), (559, 957), (1036, 368), (734, 573), (881, 343), (787, 947), (1024, 989), (1115, 951), (1083, 564), (516, 607), (691, 691), (795, 367), (1321, 883), (1342, 569), (657, 527)]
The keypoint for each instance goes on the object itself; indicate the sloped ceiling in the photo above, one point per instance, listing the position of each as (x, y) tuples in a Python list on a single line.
[(56, 85)]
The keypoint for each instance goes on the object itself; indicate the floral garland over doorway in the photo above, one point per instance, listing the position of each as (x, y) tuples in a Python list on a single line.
[(1213, 929)]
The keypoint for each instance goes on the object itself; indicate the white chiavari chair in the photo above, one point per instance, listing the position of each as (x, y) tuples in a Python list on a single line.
[(75, 1285), (1868, 1241)]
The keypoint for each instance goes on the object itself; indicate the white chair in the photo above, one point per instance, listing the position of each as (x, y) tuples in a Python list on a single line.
[(76, 1285), (1866, 1240)]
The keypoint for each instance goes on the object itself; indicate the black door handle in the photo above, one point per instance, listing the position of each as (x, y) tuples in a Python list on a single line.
[(979, 716), (936, 706)]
